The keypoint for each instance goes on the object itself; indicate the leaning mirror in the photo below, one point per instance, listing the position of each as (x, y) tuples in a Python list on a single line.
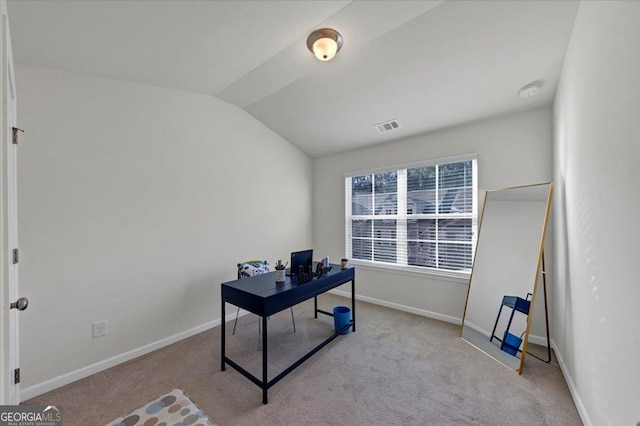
[(502, 289)]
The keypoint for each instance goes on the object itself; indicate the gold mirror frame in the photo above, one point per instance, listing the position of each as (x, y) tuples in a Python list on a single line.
[(480, 337)]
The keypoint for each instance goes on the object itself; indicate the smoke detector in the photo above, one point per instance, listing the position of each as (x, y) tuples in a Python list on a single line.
[(530, 89), (387, 125)]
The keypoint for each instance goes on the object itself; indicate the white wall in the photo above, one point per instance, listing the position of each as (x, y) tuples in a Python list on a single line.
[(596, 153), (135, 203), (512, 150)]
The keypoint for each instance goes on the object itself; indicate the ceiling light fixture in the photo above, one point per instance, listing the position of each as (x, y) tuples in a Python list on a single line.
[(324, 43), (530, 89)]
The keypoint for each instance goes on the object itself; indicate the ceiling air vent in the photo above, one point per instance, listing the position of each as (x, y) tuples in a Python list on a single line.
[(387, 125)]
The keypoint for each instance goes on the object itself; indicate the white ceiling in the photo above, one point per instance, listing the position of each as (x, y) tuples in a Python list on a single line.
[(428, 64)]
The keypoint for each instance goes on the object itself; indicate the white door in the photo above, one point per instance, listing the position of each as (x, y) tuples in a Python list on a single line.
[(9, 355)]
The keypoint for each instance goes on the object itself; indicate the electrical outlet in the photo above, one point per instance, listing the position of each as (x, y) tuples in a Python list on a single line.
[(99, 329)]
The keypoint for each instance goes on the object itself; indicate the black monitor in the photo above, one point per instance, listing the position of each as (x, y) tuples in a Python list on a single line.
[(302, 258)]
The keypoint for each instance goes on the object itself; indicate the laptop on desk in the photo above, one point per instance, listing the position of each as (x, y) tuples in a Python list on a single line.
[(302, 258)]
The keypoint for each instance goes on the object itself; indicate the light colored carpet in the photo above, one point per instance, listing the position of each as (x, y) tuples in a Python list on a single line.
[(397, 369)]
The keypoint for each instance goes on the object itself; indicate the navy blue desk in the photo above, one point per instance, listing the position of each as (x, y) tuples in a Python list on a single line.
[(264, 297)]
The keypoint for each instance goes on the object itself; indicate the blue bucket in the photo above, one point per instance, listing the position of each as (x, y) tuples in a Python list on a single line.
[(341, 317), (511, 343)]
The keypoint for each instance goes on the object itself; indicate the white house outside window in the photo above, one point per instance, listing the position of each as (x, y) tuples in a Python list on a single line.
[(420, 217)]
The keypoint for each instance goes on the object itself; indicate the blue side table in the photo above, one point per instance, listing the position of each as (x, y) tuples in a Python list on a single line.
[(517, 304)]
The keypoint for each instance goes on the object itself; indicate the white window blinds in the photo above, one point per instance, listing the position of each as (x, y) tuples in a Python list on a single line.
[(419, 216)]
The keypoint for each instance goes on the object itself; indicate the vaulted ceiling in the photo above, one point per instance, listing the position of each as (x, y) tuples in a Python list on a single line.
[(427, 64)]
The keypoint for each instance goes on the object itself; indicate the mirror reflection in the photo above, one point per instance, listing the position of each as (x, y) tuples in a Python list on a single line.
[(502, 290)]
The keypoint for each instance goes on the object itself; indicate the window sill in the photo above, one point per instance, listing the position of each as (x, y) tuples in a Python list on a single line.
[(457, 277)]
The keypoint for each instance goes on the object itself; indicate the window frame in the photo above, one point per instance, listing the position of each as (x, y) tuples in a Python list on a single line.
[(402, 218)]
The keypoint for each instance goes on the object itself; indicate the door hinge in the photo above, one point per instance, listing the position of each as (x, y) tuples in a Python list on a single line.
[(16, 376), (15, 256), (15, 134)]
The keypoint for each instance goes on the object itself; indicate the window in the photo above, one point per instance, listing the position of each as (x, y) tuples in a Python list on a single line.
[(420, 217)]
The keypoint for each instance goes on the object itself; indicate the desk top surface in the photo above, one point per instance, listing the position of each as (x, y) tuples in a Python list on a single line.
[(265, 285)]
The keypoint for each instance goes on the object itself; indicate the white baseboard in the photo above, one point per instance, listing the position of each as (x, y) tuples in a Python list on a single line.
[(535, 339), (582, 411), (399, 307), (538, 340), (56, 382), (65, 379)]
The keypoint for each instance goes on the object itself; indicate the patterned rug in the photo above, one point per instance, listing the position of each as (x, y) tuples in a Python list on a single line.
[(173, 408)]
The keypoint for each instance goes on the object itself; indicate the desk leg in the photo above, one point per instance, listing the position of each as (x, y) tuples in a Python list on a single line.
[(493, 333), (315, 307), (353, 302), (504, 337), (223, 325), (264, 360)]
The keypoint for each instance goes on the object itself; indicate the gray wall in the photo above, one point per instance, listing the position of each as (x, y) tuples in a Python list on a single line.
[(135, 203), (597, 151), (512, 150)]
